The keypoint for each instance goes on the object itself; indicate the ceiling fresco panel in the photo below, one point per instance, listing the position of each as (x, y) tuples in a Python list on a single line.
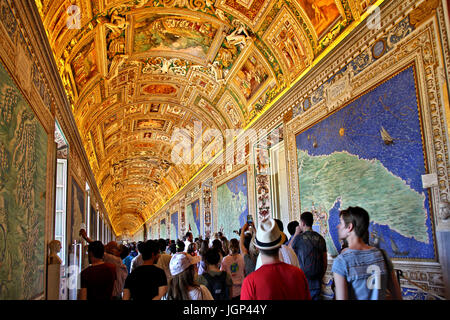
[(84, 65), (322, 13), (289, 42), (251, 12), (252, 77), (158, 33)]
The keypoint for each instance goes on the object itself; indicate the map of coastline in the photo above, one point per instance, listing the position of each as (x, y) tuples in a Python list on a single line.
[(193, 217), (330, 183), (232, 205)]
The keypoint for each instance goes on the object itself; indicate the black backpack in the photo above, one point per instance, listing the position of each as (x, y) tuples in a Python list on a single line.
[(311, 260), (217, 285)]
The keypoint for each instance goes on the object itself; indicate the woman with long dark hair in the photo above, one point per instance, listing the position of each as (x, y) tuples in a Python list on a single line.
[(202, 251), (184, 285)]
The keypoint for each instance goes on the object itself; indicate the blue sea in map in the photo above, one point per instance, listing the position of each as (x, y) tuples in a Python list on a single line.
[(345, 160)]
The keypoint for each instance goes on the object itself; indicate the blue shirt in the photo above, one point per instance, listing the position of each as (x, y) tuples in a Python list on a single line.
[(365, 272), (127, 262)]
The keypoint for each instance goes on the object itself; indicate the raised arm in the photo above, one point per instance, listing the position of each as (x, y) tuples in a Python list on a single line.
[(83, 233), (243, 249)]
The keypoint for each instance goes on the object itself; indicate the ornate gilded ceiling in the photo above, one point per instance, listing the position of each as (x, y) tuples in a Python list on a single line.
[(135, 71)]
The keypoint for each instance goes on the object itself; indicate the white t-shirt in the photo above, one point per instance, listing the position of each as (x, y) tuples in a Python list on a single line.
[(186, 245), (235, 266), (286, 254), (201, 293)]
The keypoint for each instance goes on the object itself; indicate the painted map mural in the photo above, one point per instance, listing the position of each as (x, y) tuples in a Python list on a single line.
[(156, 232), (232, 205), (93, 223), (193, 218), (163, 229), (370, 154), (78, 213), (174, 226), (23, 162)]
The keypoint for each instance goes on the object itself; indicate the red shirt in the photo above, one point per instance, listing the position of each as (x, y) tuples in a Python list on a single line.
[(99, 281), (277, 281)]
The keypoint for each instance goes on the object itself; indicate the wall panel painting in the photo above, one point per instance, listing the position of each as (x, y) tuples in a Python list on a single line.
[(193, 218), (23, 164), (93, 223), (155, 231), (371, 154), (174, 226), (77, 216), (232, 205), (163, 229)]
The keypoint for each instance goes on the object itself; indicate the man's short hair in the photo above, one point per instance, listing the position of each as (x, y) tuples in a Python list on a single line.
[(162, 244), (212, 257), (358, 217), (97, 249), (150, 247), (188, 234), (180, 246), (124, 251), (271, 252), (307, 218), (292, 226), (280, 224), (140, 245), (173, 248)]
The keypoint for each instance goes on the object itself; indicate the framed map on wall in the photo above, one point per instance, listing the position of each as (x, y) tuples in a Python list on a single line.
[(77, 214), (163, 229), (23, 176), (371, 154), (174, 226), (193, 218), (232, 205)]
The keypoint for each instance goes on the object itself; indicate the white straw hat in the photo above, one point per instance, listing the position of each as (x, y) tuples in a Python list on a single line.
[(180, 262), (268, 235)]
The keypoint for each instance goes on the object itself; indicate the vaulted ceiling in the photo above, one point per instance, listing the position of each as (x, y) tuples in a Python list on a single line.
[(135, 71)]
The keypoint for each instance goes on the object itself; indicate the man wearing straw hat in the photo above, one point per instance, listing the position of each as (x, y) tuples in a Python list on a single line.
[(274, 280)]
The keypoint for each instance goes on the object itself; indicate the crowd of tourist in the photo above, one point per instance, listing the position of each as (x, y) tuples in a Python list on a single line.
[(262, 264)]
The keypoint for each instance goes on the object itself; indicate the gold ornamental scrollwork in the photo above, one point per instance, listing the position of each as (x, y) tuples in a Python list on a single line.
[(423, 12), (192, 4)]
